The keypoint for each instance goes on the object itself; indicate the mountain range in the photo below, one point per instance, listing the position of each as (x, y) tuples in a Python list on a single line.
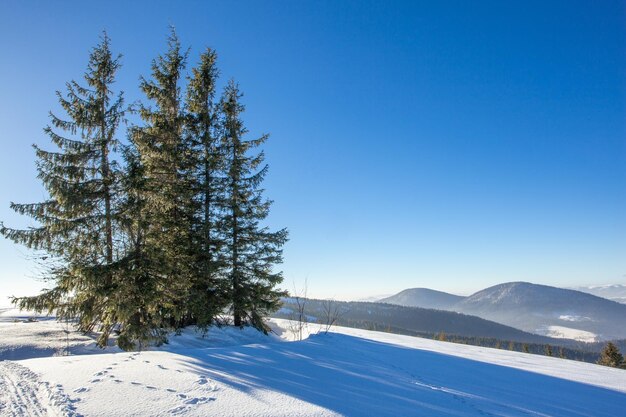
[(538, 309), (615, 292)]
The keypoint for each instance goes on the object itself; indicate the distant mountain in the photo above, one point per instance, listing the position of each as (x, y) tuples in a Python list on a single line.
[(410, 320), (615, 292), (544, 310), (373, 298), (424, 298)]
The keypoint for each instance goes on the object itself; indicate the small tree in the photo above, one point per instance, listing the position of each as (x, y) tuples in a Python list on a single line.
[(298, 320), (611, 356), (331, 314)]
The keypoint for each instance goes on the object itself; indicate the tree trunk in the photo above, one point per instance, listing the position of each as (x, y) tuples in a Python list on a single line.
[(106, 181)]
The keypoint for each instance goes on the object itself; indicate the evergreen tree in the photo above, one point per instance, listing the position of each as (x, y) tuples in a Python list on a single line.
[(203, 136), (161, 202), (78, 223), (251, 250), (611, 356)]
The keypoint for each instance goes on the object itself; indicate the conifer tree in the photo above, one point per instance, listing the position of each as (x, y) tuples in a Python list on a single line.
[(203, 136), (162, 201), (78, 223), (611, 356), (251, 250)]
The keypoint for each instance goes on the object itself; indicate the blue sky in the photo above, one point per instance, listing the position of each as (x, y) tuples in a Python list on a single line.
[(450, 145)]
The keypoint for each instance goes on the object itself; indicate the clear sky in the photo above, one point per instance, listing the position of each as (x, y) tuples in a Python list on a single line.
[(450, 145)]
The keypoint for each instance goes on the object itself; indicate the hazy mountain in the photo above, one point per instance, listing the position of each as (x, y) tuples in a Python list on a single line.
[(539, 309), (424, 298), (616, 292), (373, 298)]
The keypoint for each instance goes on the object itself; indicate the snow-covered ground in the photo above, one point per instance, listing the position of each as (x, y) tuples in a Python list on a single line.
[(348, 372), (23, 338)]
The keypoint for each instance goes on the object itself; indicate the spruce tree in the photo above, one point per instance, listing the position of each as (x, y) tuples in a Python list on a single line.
[(251, 250), (161, 201), (548, 350), (611, 356), (203, 139), (78, 223)]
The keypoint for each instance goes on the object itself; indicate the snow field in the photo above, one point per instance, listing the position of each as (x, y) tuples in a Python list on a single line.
[(347, 372)]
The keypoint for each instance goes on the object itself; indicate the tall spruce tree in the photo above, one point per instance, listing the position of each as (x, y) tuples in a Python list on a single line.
[(162, 201), (206, 156), (251, 250), (78, 223)]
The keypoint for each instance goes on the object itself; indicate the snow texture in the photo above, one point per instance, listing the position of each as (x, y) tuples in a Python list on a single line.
[(22, 393)]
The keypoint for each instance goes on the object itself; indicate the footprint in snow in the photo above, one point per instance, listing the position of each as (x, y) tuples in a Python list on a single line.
[(203, 381), (117, 381), (146, 361), (81, 389), (181, 396), (150, 387), (199, 400), (179, 410), (136, 383), (170, 390), (162, 367), (93, 381)]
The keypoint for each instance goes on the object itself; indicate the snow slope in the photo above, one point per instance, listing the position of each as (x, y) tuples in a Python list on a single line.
[(562, 332), (347, 372)]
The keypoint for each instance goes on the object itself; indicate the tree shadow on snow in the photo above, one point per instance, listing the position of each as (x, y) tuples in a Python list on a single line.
[(357, 377)]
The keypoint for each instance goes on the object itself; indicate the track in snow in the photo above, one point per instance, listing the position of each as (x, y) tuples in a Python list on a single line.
[(23, 394)]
